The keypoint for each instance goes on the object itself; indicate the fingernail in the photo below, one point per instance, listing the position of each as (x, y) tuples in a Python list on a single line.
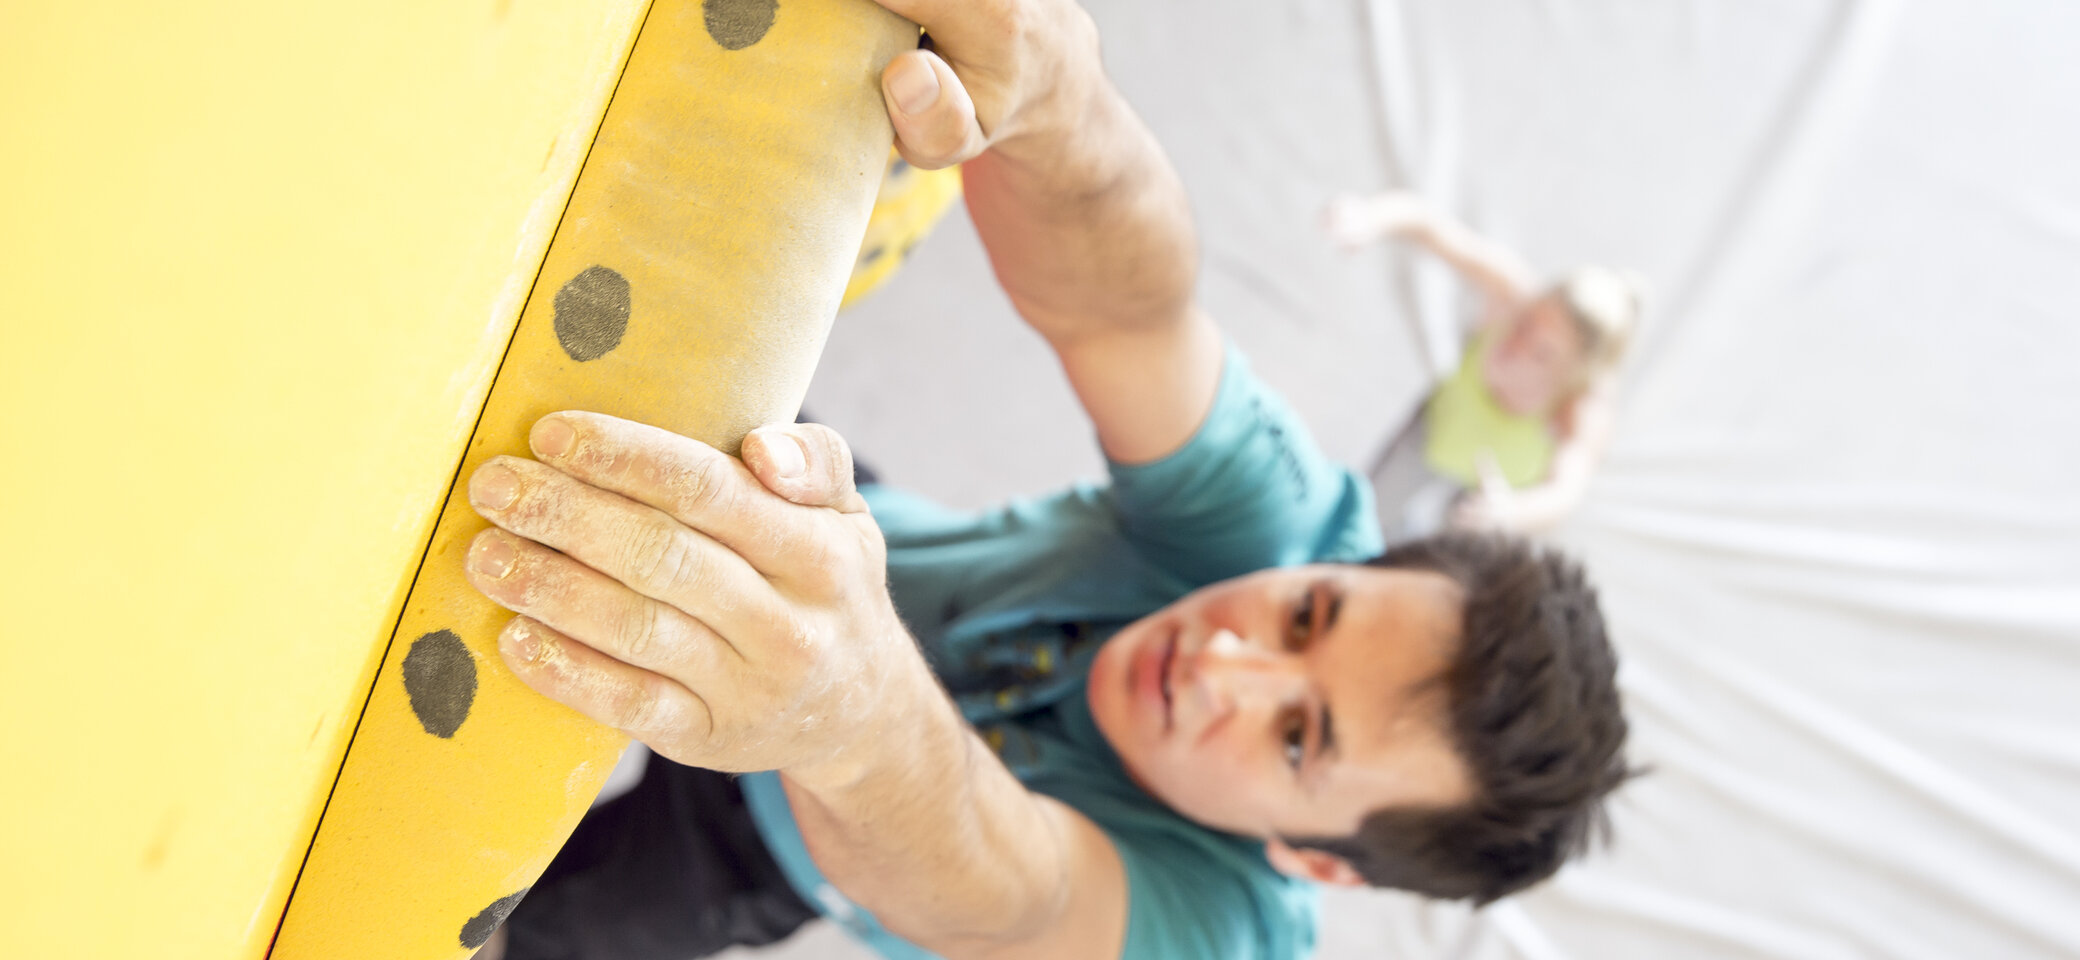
[(787, 457), (915, 87), (493, 488), (520, 641), (493, 556), (552, 437)]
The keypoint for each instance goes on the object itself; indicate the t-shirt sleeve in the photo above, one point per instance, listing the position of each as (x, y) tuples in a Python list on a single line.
[(1249, 490), (1184, 903)]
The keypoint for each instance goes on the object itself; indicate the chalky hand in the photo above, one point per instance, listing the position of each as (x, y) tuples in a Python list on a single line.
[(730, 614), (996, 73)]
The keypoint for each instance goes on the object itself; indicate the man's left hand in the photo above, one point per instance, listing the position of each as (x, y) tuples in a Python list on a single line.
[(666, 589)]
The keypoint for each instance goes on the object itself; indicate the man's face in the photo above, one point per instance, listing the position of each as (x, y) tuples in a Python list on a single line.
[(1289, 702)]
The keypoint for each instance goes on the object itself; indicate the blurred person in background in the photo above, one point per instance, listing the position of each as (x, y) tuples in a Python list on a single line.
[(1509, 439)]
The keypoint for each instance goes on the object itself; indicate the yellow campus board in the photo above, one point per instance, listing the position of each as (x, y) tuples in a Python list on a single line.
[(259, 266)]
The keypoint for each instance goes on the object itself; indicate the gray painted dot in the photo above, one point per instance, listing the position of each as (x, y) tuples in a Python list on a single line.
[(440, 677), (480, 927), (592, 313), (737, 24)]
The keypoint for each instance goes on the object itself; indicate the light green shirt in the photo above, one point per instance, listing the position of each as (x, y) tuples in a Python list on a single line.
[(1465, 422)]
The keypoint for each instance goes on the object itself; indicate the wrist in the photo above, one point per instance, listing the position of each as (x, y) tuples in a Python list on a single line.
[(906, 725), (1085, 143), (1069, 75)]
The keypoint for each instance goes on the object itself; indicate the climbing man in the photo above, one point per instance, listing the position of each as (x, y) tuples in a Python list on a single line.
[(1139, 719)]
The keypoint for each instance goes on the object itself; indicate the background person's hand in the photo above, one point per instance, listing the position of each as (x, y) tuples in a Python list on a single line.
[(995, 71), (1353, 220), (665, 589), (1492, 506)]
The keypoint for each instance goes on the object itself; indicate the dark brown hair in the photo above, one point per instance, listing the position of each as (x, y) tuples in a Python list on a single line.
[(1534, 712)]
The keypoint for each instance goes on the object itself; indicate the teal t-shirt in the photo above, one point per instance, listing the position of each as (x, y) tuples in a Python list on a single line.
[(1011, 603)]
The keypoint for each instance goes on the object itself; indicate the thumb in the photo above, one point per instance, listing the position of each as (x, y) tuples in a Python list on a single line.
[(805, 463), (933, 115)]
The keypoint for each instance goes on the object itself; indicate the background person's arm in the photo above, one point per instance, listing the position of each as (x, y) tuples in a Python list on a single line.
[(1505, 281)]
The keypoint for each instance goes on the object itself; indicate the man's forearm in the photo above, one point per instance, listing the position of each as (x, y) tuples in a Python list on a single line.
[(1086, 223), (929, 832)]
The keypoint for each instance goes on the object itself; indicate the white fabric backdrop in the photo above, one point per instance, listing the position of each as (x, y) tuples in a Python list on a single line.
[(1837, 533)]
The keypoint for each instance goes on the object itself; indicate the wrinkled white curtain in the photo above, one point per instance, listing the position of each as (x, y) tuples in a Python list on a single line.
[(1838, 533)]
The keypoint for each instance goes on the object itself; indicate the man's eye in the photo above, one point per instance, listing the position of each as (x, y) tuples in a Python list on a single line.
[(1302, 627), (1296, 742)]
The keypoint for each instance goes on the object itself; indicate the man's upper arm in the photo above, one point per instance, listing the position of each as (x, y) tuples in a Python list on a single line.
[(1245, 488), (1146, 390)]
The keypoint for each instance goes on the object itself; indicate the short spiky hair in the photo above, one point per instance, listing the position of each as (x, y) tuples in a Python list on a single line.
[(1535, 714)]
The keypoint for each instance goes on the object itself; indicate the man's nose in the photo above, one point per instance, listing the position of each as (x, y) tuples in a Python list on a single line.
[(1238, 673)]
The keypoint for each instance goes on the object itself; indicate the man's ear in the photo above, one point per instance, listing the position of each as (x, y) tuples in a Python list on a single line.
[(1313, 865)]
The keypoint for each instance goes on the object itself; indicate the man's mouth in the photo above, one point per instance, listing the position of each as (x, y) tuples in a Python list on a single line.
[(1164, 670)]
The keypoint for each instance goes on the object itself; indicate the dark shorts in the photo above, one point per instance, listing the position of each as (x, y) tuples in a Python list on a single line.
[(1414, 500), (671, 870)]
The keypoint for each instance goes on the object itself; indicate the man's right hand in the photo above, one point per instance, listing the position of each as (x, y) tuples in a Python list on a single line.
[(1086, 224), (998, 72)]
